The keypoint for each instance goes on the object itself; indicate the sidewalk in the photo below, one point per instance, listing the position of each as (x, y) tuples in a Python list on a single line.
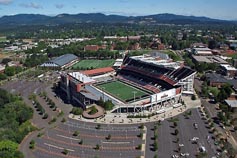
[(121, 118)]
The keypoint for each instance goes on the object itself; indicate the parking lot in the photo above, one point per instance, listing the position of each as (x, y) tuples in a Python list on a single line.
[(122, 142), (189, 140)]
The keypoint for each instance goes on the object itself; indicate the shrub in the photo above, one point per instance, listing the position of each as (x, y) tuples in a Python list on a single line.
[(45, 116), (65, 152), (193, 97), (77, 111), (97, 147), (76, 133)]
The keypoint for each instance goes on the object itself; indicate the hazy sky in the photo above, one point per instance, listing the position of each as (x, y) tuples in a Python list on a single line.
[(222, 9)]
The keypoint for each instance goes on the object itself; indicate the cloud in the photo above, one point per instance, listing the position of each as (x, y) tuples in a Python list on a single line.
[(5, 2), (31, 5), (59, 6)]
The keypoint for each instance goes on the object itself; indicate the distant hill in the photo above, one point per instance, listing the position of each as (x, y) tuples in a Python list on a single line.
[(36, 19)]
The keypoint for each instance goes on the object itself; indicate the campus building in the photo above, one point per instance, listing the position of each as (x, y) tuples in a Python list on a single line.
[(61, 62)]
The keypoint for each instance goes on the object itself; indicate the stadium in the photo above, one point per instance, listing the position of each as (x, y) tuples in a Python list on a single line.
[(147, 83)]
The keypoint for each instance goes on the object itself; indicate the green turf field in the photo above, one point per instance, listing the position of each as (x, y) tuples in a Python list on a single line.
[(3, 39), (121, 90), (92, 64)]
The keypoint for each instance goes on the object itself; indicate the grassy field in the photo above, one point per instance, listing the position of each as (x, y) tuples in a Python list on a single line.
[(121, 90), (92, 64), (2, 39)]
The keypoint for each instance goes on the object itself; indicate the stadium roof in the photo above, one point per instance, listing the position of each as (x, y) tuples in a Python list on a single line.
[(64, 59), (98, 71)]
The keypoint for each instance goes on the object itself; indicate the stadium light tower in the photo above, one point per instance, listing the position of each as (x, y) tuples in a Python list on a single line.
[(134, 95)]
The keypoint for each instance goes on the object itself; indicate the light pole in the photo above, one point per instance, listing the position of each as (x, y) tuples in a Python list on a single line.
[(134, 95)]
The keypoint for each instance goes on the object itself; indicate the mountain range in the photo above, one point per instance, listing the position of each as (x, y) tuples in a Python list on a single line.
[(37, 19)]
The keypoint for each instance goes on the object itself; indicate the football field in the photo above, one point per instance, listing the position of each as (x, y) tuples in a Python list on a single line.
[(92, 64), (121, 90)]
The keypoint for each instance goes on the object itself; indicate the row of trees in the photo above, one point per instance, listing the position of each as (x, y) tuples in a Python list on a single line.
[(10, 71), (107, 105)]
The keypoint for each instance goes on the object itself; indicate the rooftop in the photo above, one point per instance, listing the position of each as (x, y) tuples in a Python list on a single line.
[(81, 77), (98, 71), (64, 59), (209, 59), (228, 67), (231, 103), (214, 77)]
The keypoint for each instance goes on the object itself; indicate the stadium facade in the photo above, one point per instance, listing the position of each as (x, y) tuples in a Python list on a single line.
[(163, 80)]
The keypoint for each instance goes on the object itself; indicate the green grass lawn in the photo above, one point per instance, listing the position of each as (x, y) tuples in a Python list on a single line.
[(172, 55), (93, 64), (3, 39), (121, 90)]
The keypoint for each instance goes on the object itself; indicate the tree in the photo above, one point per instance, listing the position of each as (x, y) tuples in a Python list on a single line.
[(76, 133), (155, 145), (6, 60), (3, 76), (176, 132), (97, 147), (212, 44), (193, 97), (45, 116), (65, 151), (77, 111), (9, 71), (108, 137)]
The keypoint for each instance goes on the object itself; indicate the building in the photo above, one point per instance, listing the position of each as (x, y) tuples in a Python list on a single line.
[(208, 59), (2, 68), (61, 62), (118, 63), (232, 104), (202, 51), (74, 85), (218, 80), (99, 71), (229, 70), (94, 47)]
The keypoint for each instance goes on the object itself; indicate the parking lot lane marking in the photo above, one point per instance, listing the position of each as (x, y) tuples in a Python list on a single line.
[(57, 147), (116, 142), (51, 153), (67, 137)]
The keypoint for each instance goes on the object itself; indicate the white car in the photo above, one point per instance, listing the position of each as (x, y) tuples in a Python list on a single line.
[(175, 156), (184, 154), (181, 145), (194, 139)]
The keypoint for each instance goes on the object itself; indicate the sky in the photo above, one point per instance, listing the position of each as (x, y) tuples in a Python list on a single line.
[(220, 9)]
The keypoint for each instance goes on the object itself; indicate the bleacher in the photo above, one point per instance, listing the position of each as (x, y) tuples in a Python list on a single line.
[(181, 73), (138, 83), (148, 79), (168, 75)]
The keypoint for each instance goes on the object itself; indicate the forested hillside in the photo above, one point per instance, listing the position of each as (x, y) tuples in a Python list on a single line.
[(14, 124)]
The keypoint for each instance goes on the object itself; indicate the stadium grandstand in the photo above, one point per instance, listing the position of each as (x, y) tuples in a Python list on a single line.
[(143, 83), (61, 62)]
